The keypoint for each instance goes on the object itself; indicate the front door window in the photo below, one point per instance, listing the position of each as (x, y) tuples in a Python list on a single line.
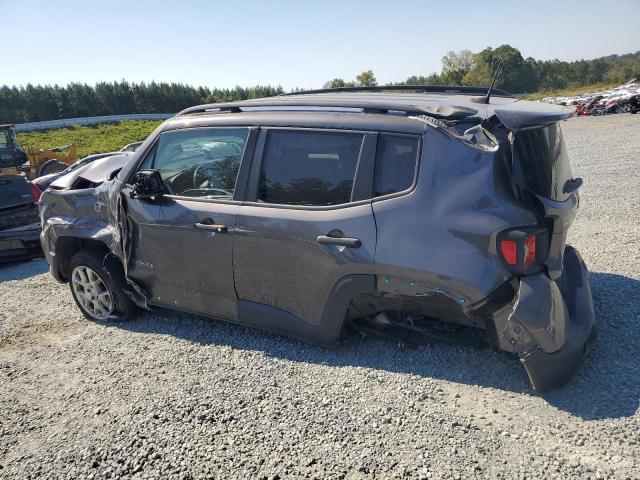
[(199, 162)]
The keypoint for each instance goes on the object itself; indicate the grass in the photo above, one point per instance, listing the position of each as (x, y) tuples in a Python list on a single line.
[(569, 92), (106, 137)]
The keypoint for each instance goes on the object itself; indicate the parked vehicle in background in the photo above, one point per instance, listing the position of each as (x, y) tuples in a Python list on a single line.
[(440, 213), (35, 161), (621, 99), (19, 219)]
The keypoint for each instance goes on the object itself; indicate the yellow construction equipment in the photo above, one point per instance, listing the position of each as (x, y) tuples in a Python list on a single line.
[(34, 162)]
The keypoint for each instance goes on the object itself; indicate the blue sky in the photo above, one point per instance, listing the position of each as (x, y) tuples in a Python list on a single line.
[(293, 44)]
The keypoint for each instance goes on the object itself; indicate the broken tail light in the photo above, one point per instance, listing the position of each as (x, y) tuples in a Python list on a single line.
[(35, 192), (523, 250)]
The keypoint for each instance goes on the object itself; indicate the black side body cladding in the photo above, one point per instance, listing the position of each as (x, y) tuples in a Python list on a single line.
[(270, 318)]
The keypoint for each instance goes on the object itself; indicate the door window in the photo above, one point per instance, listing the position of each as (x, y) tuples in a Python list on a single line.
[(199, 162), (396, 158), (308, 167)]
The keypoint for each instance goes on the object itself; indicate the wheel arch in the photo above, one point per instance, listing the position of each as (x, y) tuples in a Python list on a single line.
[(67, 247)]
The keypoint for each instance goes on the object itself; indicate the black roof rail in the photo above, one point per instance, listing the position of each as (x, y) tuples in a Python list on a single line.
[(446, 89), (445, 112)]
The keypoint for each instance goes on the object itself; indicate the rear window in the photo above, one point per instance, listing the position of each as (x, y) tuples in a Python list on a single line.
[(309, 167), (540, 162), (395, 164)]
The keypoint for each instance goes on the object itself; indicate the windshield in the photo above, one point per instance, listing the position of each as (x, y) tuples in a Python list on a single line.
[(540, 162), (5, 140)]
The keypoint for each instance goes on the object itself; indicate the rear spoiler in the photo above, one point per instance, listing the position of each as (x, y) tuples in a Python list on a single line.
[(518, 115)]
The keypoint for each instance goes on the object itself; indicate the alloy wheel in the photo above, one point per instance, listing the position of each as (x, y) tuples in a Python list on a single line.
[(91, 292)]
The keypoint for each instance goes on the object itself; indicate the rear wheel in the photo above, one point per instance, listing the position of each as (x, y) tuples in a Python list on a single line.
[(97, 285)]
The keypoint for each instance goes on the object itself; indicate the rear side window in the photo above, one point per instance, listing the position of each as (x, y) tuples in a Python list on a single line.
[(309, 167), (395, 164)]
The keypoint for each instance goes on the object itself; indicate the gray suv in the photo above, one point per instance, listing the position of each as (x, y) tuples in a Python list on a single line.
[(432, 212)]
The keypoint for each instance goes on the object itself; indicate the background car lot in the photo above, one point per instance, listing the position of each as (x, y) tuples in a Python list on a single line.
[(176, 394)]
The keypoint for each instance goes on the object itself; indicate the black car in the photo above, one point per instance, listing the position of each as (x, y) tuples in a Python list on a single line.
[(19, 219)]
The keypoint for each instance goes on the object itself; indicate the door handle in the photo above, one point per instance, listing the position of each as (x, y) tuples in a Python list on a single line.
[(342, 241), (212, 226)]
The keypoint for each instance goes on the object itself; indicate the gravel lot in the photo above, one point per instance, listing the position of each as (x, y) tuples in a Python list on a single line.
[(172, 395)]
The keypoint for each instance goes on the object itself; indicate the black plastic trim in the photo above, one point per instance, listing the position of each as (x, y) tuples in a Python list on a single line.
[(328, 332)]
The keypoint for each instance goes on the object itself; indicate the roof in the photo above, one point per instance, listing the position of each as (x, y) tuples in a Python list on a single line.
[(437, 105), (445, 105)]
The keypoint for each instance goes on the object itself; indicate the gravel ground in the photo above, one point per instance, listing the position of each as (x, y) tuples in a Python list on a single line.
[(172, 395)]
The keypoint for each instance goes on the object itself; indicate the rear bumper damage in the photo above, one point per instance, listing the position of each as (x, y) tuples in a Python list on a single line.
[(551, 323), (20, 243)]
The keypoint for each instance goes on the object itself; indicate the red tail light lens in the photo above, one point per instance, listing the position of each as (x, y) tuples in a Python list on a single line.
[(529, 250), (35, 192), (509, 251), (523, 249)]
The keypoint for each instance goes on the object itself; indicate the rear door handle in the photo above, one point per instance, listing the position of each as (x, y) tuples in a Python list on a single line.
[(214, 227), (342, 241)]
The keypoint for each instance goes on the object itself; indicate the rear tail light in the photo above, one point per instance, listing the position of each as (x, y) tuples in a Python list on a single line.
[(35, 192), (523, 250), (509, 251), (529, 250)]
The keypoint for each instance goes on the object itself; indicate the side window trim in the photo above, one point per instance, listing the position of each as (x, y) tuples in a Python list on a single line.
[(363, 181), (256, 163), (251, 197), (415, 172)]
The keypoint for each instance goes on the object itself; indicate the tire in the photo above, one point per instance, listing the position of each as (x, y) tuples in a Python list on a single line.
[(97, 285), (50, 166)]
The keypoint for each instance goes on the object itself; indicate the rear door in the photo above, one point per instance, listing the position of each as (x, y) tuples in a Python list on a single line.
[(307, 221), (182, 243)]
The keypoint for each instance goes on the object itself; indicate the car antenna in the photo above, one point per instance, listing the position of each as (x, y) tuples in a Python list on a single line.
[(487, 97), (495, 76)]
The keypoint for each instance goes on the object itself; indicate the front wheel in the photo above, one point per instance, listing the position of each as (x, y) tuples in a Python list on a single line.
[(97, 285)]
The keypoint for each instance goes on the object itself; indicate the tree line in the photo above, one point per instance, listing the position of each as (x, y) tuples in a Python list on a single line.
[(33, 103), (517, 74)]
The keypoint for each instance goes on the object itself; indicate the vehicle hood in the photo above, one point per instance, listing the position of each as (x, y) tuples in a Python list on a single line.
[(93, 174), (14, 191)]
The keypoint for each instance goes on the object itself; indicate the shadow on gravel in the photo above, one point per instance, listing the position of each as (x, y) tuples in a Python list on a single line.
[(22, 270), (607, 385)]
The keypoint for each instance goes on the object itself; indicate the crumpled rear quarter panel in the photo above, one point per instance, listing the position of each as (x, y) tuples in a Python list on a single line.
[(442, 233)]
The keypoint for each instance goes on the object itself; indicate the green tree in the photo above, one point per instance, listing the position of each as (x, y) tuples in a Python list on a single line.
[(337, 83), (366, 79), (513, 76), (455, 65)]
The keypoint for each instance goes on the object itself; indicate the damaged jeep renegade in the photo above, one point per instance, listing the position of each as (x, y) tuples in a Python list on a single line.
[(412, 212)]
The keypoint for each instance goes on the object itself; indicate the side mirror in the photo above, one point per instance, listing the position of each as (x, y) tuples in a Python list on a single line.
[(148, 184)]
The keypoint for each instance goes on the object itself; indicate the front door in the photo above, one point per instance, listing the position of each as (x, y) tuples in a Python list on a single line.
[(182, 243), (305, 225)]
